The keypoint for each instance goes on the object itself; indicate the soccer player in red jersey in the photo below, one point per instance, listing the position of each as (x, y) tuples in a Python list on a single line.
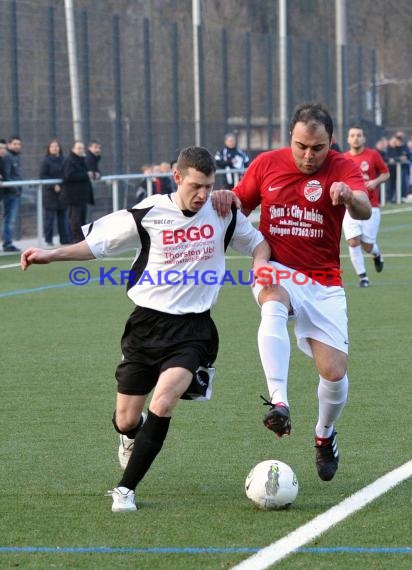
[(303, 192), (361, 234)]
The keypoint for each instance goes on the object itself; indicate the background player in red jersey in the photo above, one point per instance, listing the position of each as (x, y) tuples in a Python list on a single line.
[(362, 234), (304, 191)]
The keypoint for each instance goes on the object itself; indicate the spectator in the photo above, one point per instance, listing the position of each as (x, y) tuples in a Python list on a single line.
[(398, 152), (362, 234), (93, 157), (11, 196), (231, 156), (173, 166), (3, 150), (405, 160), (382, 147), (334, 145), (392, 157), (77, 189), (409, 196), (52, 167), (141, 192), (162, 185)]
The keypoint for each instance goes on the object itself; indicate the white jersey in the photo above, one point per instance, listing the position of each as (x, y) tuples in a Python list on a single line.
[(180, 256)]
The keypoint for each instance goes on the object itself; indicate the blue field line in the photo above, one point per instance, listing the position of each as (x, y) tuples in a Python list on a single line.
[(195, 550), (44, 288)]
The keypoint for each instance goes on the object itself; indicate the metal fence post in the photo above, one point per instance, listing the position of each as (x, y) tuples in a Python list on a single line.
[(175, 86), (248, 88), (225, 79), (115, 195), (148, 134), (39, 206), (85, 75), (14, 63), (398, 183), (52, 73), (382, 189), (117, 68)]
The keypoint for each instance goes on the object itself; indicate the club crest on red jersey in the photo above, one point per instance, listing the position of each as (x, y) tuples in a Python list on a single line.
[(313, 190)]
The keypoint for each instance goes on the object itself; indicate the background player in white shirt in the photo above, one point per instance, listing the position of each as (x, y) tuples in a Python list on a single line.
[(170, 341)]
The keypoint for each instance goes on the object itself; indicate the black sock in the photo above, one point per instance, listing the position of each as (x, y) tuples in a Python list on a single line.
[(148, 442)]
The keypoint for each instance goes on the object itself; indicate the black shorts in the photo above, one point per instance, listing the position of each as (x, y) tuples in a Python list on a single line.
[(153, 341)]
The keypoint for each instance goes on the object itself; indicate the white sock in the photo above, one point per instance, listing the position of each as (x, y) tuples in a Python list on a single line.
[(357, 259), (375, 249), (274, 349), (332, 399)]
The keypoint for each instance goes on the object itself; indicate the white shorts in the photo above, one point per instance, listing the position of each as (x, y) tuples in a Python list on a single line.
[(367, 230), (320, 312)]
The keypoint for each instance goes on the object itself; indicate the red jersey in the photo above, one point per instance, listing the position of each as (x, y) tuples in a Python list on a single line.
[(372, 165), (297, 218)]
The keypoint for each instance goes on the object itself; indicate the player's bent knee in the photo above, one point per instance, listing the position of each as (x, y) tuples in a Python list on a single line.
[(122, 425), (274, 293), (334, 373), (367, 247), (163, 407)]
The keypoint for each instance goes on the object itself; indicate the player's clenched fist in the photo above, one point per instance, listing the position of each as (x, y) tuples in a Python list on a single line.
[(340, 193)]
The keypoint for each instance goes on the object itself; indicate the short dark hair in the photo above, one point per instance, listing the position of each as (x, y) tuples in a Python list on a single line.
[(355, 126), (14, 138), (196, 157), (312, 114)]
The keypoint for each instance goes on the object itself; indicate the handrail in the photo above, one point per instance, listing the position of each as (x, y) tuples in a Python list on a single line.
[(114, 179)]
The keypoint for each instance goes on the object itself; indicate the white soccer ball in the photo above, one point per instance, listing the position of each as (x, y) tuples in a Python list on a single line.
[(271, 485)]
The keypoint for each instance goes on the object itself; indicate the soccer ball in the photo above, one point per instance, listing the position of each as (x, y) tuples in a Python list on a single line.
[(272, 485)]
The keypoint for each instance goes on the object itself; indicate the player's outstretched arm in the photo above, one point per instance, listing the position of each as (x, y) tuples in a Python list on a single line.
[(37, 256)]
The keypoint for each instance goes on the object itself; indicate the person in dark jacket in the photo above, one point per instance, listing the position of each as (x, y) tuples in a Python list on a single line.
[(93, 157), (11, 196), (3, 150), (77, 189), (230, 157), (52, 167)]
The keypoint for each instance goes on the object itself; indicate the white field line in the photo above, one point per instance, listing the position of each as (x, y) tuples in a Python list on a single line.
[(323, 522), (398, 211), (10, 266)]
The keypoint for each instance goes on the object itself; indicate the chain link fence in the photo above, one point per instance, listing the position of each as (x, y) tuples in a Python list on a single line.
[(137, 85)]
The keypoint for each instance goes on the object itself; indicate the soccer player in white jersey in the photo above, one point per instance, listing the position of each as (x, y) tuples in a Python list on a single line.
[(170, 341), (304, 191)]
